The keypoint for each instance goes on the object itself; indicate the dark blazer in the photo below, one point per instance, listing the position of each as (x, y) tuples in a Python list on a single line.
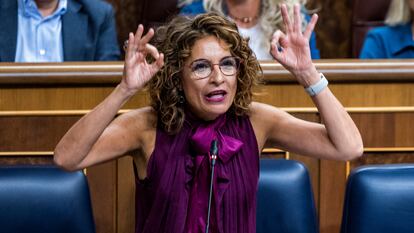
[(88, 31)]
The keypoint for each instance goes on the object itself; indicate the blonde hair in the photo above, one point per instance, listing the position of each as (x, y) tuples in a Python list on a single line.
[(398, 13), (270, 18), (182, 3)]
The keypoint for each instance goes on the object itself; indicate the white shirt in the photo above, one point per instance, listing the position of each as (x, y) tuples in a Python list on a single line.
[(258, 41)]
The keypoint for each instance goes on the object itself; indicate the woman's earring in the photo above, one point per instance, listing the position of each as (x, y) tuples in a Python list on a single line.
[(181, 99)]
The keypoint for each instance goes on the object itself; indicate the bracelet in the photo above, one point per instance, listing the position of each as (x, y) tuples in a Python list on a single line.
[(317, 87)]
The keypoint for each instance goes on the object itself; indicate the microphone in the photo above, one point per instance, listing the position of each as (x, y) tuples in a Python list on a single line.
[(213, 157)]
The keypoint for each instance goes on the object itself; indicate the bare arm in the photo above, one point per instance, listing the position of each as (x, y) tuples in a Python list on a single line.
[(96, 137), (338, 138)]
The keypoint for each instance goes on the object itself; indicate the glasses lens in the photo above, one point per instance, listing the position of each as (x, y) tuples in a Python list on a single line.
[(201, 68), (229, 65)]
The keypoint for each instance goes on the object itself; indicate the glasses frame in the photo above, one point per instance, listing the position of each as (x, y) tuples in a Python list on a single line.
[(238, 60)]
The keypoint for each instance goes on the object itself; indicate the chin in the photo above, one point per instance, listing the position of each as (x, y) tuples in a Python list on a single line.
[(210, 110), (215, 111)]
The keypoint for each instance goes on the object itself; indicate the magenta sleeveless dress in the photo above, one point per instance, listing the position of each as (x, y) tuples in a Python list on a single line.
[(174, 196)]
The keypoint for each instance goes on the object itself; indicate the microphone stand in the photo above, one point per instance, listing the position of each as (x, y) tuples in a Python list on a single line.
[(213, 156)]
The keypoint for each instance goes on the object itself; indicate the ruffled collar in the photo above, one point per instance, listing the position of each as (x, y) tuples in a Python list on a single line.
[(207, 131), (198, 168)]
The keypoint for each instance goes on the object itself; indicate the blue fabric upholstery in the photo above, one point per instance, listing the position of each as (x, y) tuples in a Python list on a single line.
[(380, 199), (285, 199), (44, 200)]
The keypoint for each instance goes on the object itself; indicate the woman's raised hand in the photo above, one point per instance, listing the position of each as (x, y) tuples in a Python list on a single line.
[(137, 71), (291, 49)]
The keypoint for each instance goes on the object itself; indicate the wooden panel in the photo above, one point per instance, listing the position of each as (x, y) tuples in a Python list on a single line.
[(333, 31), (64, 98), (102, 181), (110, 73), (33, 133), (24, 160), (391, 129), (332, 190), (383, 158), (350, 95)]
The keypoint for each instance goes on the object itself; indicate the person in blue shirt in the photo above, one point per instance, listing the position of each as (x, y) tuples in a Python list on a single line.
[(57, 30), (255, 19), (395, 40)]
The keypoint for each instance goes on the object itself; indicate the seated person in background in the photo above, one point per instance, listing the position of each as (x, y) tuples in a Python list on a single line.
[(395, 40), (57, 30), (200, 73), (255, 19)]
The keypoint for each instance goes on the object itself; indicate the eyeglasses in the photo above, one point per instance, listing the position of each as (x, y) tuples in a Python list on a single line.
[(202, 68)]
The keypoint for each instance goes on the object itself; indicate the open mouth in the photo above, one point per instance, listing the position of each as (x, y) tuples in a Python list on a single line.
[(216, 96)]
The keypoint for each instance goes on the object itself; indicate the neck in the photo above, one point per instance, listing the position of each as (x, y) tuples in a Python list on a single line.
[(244, 12), (46, 7)]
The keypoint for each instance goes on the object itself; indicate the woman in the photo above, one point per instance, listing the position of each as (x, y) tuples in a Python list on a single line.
[(396, 39), (256, 19), (201, 90)]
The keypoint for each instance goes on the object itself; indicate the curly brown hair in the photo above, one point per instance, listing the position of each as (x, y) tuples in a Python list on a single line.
[(176, 40)]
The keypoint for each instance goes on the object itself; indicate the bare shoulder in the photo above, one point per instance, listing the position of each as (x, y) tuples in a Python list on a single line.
[(136, 128), (139, 119), (261, 113), (141, 126), (265, 120)]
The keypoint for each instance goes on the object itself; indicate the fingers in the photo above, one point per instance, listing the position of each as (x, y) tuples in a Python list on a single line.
[(276, 39), (137, 42), (131, 45), (297, 20), (296, 27), (145, 40), (158, 57), (152, 50), (277, 44), (139, 31), (159, 62), (311, 26), (286, 19), (135, 45), (138, 47), (129, 50)]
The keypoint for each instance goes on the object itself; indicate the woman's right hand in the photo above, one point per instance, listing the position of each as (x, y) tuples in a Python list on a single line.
[(137, 71)]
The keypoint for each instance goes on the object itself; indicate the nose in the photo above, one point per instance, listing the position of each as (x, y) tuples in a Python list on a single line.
[(216, 76)]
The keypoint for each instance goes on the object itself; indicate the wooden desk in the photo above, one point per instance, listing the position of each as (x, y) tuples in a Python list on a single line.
[(39, 102)]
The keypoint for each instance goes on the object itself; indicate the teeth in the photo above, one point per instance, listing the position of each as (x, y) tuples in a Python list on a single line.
[(216, 96), (216, 93)]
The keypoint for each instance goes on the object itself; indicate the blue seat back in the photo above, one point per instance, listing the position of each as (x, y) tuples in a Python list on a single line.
[(39, 199), (285, 201), (380, 199)]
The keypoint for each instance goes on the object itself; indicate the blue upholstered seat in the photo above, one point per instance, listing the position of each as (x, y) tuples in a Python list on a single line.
[(380, 199), (285, 201), (39, 199)]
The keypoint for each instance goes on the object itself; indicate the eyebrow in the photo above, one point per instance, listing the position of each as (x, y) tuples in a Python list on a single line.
[(205, 59)]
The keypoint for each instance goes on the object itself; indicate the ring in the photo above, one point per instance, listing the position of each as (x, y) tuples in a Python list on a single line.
[(125, 45)]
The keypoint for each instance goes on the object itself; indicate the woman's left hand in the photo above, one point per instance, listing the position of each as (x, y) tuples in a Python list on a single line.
[(291, 49)]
